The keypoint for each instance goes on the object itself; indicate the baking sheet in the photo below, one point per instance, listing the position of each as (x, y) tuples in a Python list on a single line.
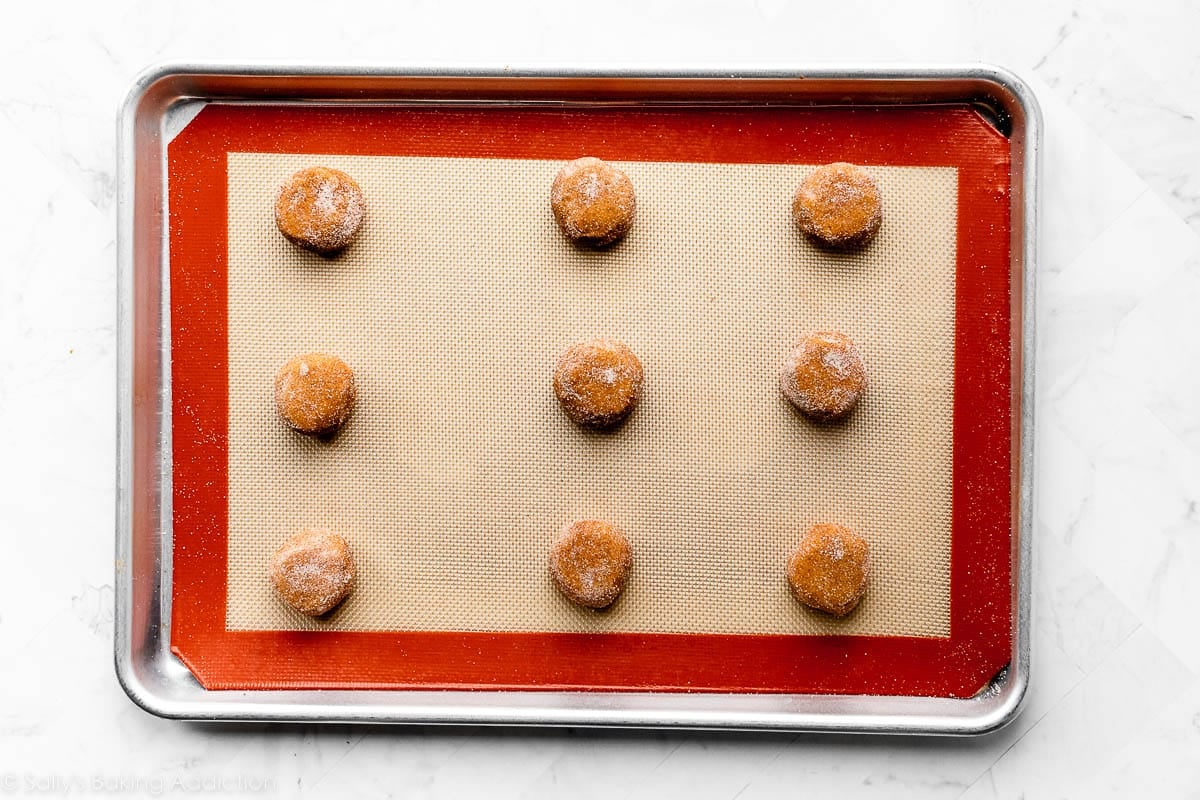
[(232, 659)]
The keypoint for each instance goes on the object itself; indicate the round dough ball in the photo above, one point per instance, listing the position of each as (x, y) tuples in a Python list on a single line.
[(838, 206), (593, 202), (590, 562), (315, 393), (598, 383), (824, 376), (829, 570), (320, 209), (313, 571)]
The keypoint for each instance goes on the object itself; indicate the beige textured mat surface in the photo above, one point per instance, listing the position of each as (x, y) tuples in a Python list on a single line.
[(458, 469)]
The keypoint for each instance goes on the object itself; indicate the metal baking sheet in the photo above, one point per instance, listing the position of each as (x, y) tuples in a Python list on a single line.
[(161, 103)]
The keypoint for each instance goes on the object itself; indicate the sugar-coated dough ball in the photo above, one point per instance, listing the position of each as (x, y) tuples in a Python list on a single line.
[(824, 376), (320, 209), (593, 202), (315, 393), (313, 571), (829, 569), (598, 383), (838, 206), (590, 562)]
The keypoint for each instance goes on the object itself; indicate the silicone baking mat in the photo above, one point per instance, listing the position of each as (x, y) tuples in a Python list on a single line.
[(457, 469)]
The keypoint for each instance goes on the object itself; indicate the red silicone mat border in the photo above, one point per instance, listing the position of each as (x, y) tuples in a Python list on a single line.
[(980, 640)]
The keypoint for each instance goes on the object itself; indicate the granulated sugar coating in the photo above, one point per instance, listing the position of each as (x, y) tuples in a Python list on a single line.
[(593, 202), (320, 209), (838, 205), (829, 570), (313, 571), (590, 563), (315, 393), (598, 383), (824, 376)]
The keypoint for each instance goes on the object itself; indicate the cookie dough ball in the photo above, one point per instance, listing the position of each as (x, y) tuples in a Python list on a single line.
[(313, 571), (824, 376), (315, 393), (598, 383), (590, 563), (593, 202), (319, 209), (838, 206), (829, 570)]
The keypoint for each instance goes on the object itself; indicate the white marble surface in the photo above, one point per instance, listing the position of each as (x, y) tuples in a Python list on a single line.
[(1115, 704)]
